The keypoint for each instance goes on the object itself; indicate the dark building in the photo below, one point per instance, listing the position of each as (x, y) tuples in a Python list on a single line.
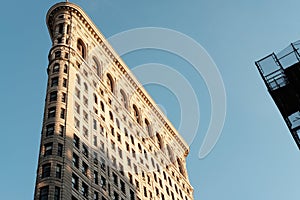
[(281, 74)]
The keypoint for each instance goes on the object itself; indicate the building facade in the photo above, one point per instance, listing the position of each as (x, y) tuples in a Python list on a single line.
[(103, 137), (281, 74)]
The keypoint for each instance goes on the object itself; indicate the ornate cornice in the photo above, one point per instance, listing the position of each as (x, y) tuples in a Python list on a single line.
[(90, 26)]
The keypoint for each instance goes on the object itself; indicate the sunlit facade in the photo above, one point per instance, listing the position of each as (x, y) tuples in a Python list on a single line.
[(103, 136)]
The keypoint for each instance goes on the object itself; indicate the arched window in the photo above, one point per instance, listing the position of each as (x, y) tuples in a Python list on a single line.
[(148, 127), (78, 79), (81, 48), (111, 116), (136, 114), (95, 99), (160, 142), (85, 87), (102, 106), (170, 152), (124, 99), (180, 167), (97, 66), (110, 83)]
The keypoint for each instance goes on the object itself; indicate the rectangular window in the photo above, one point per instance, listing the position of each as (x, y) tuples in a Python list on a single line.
[(84, 168), (59, 150), (49, 129), (75, 160), (94, 124), (48, 149), (122, 186), (58, 171), (85, 190), (76, 141), (120, 152), (54, 82), (96, 195), (57, 193), (102, 163), (95, 141), (53, 96), (77, 107), (95, 177), (44, 192), (115, 178), (77, 93), (75, 181), (85, 150), (46, 170), (51, 112), (77, 123), (62, 113), (63, 97), (85, 132), (103, 182), (61, 130)]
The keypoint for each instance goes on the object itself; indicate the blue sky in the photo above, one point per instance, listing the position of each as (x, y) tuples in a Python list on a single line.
[(255, 157)]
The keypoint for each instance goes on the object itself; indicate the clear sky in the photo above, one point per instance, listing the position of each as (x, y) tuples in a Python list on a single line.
[(255, 157)]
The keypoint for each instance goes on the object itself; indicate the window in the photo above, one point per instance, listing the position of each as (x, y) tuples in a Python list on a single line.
[(65, 69), (58, 171), (53, 96), (44, 191), (57, 193), (57, 54), (124, 98), (102, 164), (62, 113), (115, 178), (159, 141), (95, 99), (84, 168), (75, 180), (95, 177), (103, 182), (85, 115), (95, 140), (136, 114), (85, 87), (148, 127), (61, 130), (77, 123), (46, 170), (85, 132), (75, 160), (49, 129), (120, 152), (59, 150), (132, 195), (95, 124), (85, 190), (97, 66), (78, 79), (122, 186), (110, 83), (48, 149), (64, 82), (96, 195), (115, 196), (180, 167), (113, 145), (76, 141), (77, 107), (85, 150), (55, 68), (81, 48), (60, 28), (51, 112), (63, 97), (102, 106), (111, 117)]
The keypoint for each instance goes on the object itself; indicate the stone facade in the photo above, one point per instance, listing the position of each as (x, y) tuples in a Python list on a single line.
[(103, 136)]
